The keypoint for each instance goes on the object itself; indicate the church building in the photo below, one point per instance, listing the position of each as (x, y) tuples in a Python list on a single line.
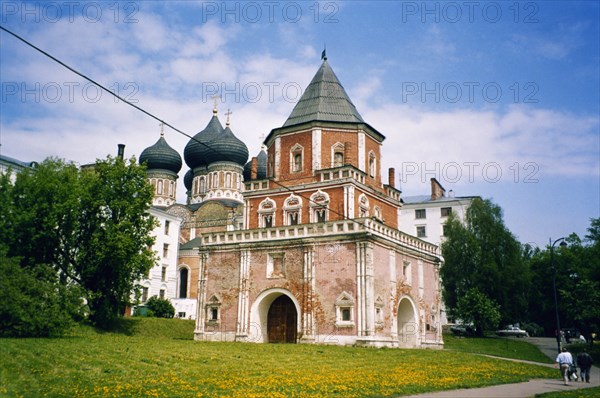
[(301, 243)]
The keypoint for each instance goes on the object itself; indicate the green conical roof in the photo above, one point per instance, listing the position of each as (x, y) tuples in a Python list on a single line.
[(324, 100)]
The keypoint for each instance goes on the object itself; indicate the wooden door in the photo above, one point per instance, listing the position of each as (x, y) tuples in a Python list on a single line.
[(282, 321)]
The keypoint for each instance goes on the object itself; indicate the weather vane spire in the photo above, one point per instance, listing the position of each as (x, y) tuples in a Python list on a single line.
[(215, 99), (162, 129), (228, 113), (324, 53)]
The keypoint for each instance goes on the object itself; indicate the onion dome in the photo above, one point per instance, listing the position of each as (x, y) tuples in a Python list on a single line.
[(188, 179), (261, 173), (227, 148), (197, 149), (161, 156)]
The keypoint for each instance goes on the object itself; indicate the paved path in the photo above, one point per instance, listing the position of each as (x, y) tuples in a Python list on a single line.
[(521, 390)]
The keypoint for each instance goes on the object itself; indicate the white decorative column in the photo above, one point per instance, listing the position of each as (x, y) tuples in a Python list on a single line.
[(361, 152), (393, 292), (244, 293), (277, 165), (365, 311), (308, 276), (200, 310), (316, 149)]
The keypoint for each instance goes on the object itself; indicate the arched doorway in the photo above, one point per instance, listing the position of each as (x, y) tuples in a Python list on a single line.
[(282, 321), (408, 324)]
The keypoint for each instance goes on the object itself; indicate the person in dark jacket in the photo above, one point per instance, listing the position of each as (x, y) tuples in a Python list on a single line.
[(584, 361)]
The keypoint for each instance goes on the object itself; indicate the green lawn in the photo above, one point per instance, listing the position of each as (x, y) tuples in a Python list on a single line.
[(157, 358), (497, 346), (583, 393)]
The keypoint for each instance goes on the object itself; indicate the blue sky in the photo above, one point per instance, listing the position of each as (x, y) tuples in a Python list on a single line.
[(497, 99)]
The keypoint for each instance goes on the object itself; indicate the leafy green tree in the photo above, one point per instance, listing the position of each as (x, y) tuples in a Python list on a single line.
[(32, 303), (92, 225), (482, 254), (161, 308), (577, 269), (477, 309)]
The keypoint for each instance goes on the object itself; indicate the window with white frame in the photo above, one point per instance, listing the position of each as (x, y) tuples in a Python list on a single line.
[(445, 211), (344, 310), (292, 210), (266, 213), (372, 164), (363, 206), (183, 282), (421, 231), (319, 207), (337, 155), (296, 158), (276, 265), (202, 185), (144, 294), (377, 213), (420, 214), (213, 309)]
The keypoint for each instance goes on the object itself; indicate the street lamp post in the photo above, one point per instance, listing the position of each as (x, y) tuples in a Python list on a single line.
[(562, 244)]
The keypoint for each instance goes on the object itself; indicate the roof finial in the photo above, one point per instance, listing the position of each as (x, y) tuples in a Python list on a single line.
[(263, 147), (228, 113), (215, 98), (162, 129), (324, 53)]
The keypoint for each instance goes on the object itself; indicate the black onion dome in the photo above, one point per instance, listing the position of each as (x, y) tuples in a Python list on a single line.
[(247, 171), (197, 149), (227, 148), (261, 173), (161, 156), (188, 179)]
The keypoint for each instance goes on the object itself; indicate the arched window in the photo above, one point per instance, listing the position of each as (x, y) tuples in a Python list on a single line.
[(363, 205), (296, 158), (292, 210), (228, 180), (319, 207), (159, 189), (377, 213), (337, 155), (202, 185), (266, 213), (183, 282), (372, 164)]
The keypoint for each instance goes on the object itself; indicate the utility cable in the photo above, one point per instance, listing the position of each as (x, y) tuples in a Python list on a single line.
[(157, 118)]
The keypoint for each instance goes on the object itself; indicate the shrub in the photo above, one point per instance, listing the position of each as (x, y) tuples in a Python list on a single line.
[(32, 303), (161, 308)]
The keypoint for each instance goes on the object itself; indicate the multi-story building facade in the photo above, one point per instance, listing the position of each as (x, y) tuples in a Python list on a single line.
[(424, 216), (303, 242)]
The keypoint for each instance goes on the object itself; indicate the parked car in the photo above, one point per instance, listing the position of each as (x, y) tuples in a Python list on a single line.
[(512, 331), (462, 330), (571, 333)]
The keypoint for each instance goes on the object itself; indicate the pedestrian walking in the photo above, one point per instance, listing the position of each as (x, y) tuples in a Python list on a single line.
[(564, 361), (584, 360)]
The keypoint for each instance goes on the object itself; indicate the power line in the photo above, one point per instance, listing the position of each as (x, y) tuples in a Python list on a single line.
[(82, 75)]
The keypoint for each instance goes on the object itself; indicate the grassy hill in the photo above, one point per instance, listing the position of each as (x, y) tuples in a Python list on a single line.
[(157, 357)]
